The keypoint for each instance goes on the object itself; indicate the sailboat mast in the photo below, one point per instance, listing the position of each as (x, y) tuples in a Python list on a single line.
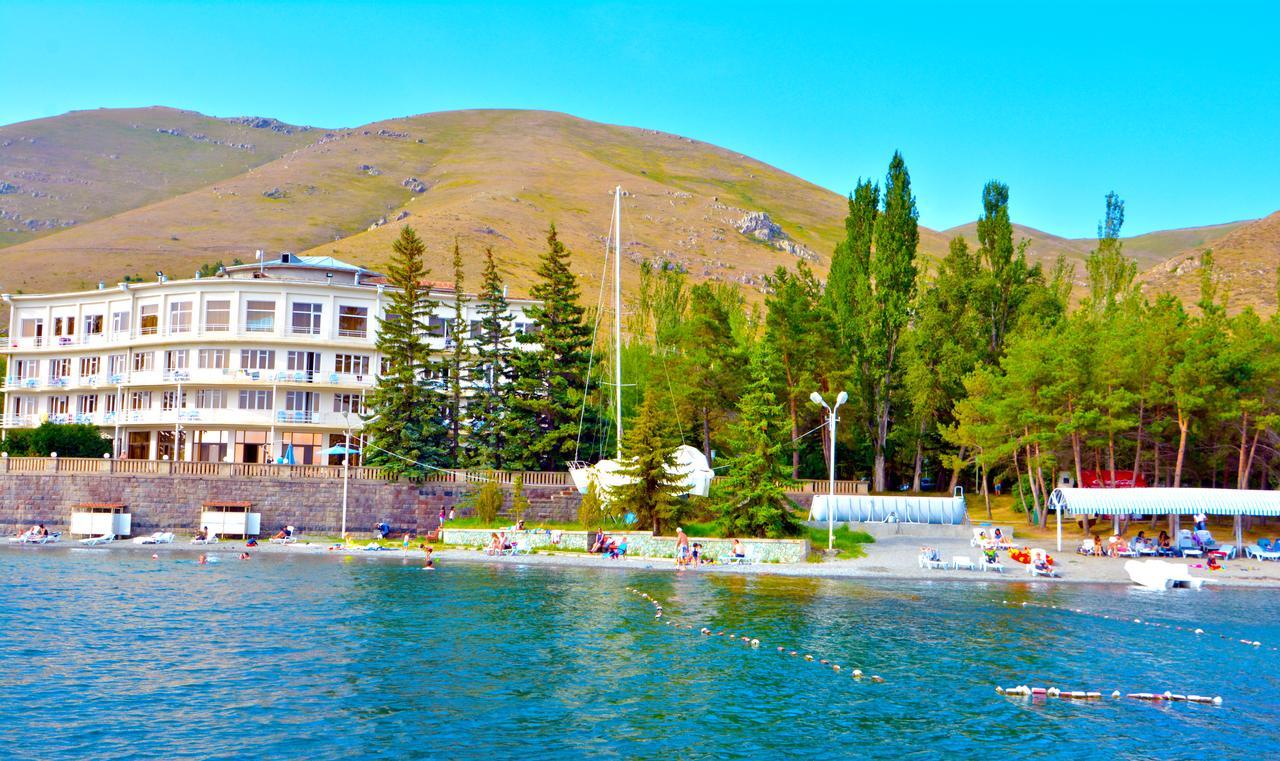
[(617, 311)]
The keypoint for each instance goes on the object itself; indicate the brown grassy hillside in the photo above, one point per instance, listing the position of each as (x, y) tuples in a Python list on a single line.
[(491, 178), (1245, 262), (68, 170)]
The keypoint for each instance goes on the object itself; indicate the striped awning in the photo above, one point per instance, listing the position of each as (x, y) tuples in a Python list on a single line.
[(1166, 501)]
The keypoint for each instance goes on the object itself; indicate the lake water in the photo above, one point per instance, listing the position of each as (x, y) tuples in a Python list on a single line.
[(112, 655)]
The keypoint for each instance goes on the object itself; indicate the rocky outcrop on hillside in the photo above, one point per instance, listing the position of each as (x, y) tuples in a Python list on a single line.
[(414, 185), (758, 225), (263, 122)]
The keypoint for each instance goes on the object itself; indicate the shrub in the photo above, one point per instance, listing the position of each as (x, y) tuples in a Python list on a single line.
[(69, 440), (487, 501), (519, 502), (590, 509)]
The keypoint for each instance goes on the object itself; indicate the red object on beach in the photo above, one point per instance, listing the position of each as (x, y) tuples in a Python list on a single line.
[(1107, 479)]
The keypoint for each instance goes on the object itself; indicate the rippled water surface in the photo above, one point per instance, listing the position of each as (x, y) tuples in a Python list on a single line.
[(110, 654)]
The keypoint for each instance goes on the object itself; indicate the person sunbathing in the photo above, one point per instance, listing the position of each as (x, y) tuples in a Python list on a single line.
[(495, 544), (281, 534), (738, 550), (598, 544), (1097, 545)]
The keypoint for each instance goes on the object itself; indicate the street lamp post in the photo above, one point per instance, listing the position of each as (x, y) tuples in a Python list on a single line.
[(841, 398)]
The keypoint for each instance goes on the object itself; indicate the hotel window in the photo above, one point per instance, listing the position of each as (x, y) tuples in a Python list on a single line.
[(352, 403), (33, 327), (353, 322), (212, 359), (59, 369), (26, 369), (90, 366), (217, 316), (351, 364), (437, 326), (143, 361), (149, 319), (306, 319), (117, 364), (170, 401), (175, 360), (58, 405), (64, 326), (384, 366), (260, 316), (477, 329), (257, 359), (139, 400), (301, 401), (109, 403), (304, 361), (93, 324), (119, 322), (211, 399), (180, 317), (87, 404), (27, 405), (256, 400)]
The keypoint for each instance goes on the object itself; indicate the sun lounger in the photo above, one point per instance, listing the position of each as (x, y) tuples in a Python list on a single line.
[(732, 559), (159, 537), (963, 561), (931, 562), (1257, 552), (290, 536), (987, 565), (96, 540), (1206, 539), (29, 537), (211, 540), (521, 547)]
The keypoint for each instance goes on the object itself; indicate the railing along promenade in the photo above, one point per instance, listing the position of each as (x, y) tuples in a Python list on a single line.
[(83, 465)]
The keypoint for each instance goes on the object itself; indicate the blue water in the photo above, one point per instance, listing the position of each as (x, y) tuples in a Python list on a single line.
[(110, 654)]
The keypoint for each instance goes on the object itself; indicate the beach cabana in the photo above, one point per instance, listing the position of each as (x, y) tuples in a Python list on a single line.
[(1165, 501), (101, 519), (225, 518)]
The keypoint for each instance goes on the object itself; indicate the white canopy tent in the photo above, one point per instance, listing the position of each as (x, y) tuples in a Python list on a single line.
[(1164, 501)]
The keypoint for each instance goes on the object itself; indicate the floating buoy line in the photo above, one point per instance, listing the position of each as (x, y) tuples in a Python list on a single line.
[(749, 641), (1138, 621), (1024, 691)]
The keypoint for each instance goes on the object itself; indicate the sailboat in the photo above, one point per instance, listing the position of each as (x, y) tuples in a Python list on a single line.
[(691, 464)]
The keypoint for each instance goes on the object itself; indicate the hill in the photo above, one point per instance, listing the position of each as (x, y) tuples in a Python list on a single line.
[(68, 170), (160, 189), (1245, 262), (485, 178), (1147, 250)]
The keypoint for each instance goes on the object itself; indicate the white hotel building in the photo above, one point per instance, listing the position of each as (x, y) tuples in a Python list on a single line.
[(261, 363)]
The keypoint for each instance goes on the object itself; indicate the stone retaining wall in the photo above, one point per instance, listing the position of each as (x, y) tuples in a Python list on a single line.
[(640, 543), (166, 502)]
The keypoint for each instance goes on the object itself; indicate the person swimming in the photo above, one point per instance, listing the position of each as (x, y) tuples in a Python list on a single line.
[(430, 563)]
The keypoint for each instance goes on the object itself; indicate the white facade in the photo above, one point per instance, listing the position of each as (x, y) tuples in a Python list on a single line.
[(262, 363)]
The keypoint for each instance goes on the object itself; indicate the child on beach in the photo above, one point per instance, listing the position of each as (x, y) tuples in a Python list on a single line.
[(430, 564)]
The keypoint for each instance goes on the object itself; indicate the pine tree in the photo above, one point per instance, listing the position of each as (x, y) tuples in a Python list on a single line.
[(490, 372), (457, 361), (408, 431), (649, 489), (754, 501), (549, 369), (712, 366)]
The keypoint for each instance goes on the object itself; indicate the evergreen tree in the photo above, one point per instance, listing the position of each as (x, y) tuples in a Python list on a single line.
[(754, 501), (712, 365), (408, 434), (549, 369), (490, 372), (457, 361), (648, 489)]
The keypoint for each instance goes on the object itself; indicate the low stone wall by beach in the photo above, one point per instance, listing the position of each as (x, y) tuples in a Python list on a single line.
[(314, 506), (639, 543)]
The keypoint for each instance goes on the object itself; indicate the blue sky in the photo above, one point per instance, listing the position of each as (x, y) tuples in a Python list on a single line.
[(1175, 106)]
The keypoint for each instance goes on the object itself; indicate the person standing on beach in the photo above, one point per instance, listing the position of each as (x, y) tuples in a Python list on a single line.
[(1201, 520), (452, 514), (682, 548), (404, 547)]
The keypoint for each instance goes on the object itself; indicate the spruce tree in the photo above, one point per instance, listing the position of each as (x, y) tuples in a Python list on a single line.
[(754, 501), (649, 488), (456, 361), (408, 434), (549, 369), (490, 372)]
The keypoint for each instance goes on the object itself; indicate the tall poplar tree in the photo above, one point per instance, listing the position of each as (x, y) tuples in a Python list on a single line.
[(871, 299), (490, 372), (550, 368), (407, 435)]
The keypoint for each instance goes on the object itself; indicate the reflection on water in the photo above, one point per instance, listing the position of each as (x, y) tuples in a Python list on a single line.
[(114, 655)]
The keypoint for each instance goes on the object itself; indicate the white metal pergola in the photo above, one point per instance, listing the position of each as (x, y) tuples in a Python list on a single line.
[(1165, 501)]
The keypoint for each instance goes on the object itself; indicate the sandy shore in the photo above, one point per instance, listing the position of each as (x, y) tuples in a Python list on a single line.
[(888, 559)]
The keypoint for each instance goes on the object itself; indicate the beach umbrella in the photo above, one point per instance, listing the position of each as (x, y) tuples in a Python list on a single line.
[(341, 449)]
